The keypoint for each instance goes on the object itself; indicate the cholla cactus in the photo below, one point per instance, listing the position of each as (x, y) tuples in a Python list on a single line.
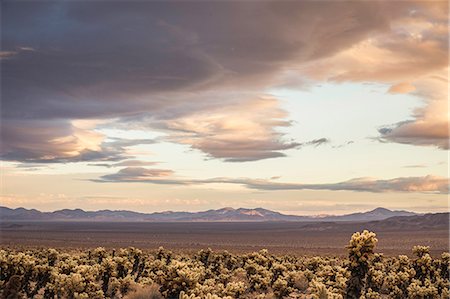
[(319, 291), (183, 295), (423, 263), (12, 288), (52, 256), (128, 273), (360, 251), (418, 289), (445, 270)]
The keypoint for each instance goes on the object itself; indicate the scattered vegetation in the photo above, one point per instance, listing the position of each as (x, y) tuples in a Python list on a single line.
[(133, 274)]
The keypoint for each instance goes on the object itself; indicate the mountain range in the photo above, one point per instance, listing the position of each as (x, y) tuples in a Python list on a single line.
[(220, 215)]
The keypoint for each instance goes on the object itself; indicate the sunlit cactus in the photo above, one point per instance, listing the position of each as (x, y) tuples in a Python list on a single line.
[(360, 251), (130, 273)]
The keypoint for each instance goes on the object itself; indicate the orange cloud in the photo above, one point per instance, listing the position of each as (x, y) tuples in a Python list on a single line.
[(60, 142), (430, 123), (179, 62), (47, 141), (403, 87), (244, 131), (412, 58), (428, 184)]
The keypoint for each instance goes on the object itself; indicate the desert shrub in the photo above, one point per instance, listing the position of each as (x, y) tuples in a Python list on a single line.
[(131, 274)]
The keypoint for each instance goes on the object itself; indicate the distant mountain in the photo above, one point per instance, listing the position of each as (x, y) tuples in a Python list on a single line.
[(67, 214), (221, 215), (417, 222), (425, 222), (377, 214), (230, 214)]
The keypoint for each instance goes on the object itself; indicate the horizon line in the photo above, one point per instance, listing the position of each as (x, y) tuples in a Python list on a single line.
[(318, 215)]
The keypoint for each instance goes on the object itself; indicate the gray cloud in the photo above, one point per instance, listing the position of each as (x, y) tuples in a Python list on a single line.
[(412, 58), (429, 183), (138, 173), (146, 60), (343, 144), (401, 184), (417, 132), (36, 141), (317, 142), (126, 163), (415, 166), (429, 125), (160, 61), (152, 47)]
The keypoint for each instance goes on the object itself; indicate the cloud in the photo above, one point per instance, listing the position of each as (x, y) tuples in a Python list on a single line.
[(148, 58), (163, 63), (415, 166), (433, 184), (417, 133), (138, 173), (7, 54), (43, 141), (413, 48), (430, 123), (343, 144), (317, 142), (403, 87), (412, 58), (242, 132), (127, 163)]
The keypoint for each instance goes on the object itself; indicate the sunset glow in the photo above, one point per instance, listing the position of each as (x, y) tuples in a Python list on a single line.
[(303, 107)]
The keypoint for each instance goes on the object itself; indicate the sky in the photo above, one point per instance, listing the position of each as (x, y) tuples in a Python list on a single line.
[(303, 107)]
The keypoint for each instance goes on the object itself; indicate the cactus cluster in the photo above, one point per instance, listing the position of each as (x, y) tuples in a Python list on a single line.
[(135, 274)]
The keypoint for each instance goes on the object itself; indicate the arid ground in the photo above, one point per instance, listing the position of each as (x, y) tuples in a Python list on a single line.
[(278, 238)]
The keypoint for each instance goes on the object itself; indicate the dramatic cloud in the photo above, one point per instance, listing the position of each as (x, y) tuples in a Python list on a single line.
[(429, 183), (42, 141), (158, 63), (242, 132), (412, 58), (414, 47), (430, 125), (52, 141)]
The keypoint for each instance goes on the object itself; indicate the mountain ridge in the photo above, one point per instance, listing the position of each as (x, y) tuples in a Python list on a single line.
[(226, 214)]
